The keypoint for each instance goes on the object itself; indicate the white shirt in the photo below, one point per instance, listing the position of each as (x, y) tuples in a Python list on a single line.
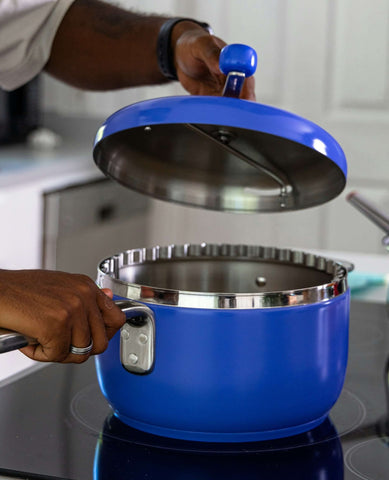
[(27, 30)]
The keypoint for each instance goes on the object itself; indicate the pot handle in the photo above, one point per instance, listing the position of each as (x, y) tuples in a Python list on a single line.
[(137, 337), (137, 358), (372, 212), (10, 340)]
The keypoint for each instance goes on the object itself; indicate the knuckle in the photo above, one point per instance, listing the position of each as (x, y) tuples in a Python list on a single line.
[(63, 315), (73, 305), (82, 277), (52, 338), (86, 282), (86, 290)]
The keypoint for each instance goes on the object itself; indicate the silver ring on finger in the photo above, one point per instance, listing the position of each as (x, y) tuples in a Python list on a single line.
[(81, 350)]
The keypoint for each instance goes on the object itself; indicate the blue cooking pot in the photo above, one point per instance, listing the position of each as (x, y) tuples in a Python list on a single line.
[(225, 343)]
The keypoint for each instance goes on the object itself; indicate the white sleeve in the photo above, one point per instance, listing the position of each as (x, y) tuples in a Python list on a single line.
[(27, 30)]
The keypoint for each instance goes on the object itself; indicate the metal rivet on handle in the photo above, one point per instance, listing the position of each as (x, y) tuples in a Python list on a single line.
[(133, 358), (125, 335)]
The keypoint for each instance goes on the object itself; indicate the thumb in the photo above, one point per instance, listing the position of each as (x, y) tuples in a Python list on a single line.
[(108, 292)]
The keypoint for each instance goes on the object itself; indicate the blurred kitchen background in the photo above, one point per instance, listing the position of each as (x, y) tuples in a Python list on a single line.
[(326, 60)]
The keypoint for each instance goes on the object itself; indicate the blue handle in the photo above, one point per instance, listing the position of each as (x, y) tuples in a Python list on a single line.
[(238, 58), (238, 62)]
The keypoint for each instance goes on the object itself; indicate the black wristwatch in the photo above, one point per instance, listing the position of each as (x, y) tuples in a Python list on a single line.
[(164, 49)]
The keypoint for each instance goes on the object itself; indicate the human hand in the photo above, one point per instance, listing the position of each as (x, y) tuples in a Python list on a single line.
[(196, 55), (58, 310)]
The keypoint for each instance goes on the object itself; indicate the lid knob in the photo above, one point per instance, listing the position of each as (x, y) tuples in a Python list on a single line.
[(237, 61)]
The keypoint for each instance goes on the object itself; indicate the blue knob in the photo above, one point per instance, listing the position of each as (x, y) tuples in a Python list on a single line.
[(238, 58)]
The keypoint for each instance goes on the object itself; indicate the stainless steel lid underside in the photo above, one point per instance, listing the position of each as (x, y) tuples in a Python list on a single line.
[(219, 168), (222, 276)]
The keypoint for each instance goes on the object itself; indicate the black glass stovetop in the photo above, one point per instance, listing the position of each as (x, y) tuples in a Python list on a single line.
[(55, 424)]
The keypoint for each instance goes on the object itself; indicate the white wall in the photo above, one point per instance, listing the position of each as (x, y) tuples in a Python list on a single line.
[(326, 60)]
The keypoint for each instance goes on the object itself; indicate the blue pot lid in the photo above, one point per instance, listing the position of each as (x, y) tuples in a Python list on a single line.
[(221, 153)]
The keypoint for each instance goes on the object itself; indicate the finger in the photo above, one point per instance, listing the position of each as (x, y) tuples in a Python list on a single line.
[(98, 331), (197, 56), (81, 337), (248, 90), (73, 318), (113, 317), (56, 350), (96, 328), (210, 59), (212, 55), (54, 331), (107, 292), (40, 354), (206, 52)]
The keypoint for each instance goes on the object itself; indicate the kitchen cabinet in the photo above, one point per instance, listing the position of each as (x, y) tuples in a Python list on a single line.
[(21, 217), (25, 175), (86, 222)]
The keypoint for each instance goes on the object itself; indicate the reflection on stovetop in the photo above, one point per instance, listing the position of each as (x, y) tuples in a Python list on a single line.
[(56, 424), (116, 458)]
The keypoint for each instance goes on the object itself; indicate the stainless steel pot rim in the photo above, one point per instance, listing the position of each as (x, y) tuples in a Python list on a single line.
[(109, 277)]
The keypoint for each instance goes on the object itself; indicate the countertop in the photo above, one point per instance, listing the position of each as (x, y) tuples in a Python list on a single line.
[(69, 163), (58, 153)]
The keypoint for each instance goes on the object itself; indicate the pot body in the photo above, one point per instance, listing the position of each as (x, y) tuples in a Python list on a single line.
[(225, 375)]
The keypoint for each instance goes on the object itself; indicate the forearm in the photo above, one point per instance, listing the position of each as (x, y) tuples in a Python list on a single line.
[(98, 46), (101, 47)]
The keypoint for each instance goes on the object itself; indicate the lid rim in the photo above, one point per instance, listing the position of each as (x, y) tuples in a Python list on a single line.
[(214, 111), (147, 146)]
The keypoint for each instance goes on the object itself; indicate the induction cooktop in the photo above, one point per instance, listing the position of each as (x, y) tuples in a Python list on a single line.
[(56, 424)]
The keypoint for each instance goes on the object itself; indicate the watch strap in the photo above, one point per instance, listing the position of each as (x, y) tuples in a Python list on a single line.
[(164, 49)]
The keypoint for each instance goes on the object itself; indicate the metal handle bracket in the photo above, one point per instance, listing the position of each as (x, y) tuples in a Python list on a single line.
[(137, 338)]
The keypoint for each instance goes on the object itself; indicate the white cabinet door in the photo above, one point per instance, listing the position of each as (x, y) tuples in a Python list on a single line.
[(20, 247), (21, 211)]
